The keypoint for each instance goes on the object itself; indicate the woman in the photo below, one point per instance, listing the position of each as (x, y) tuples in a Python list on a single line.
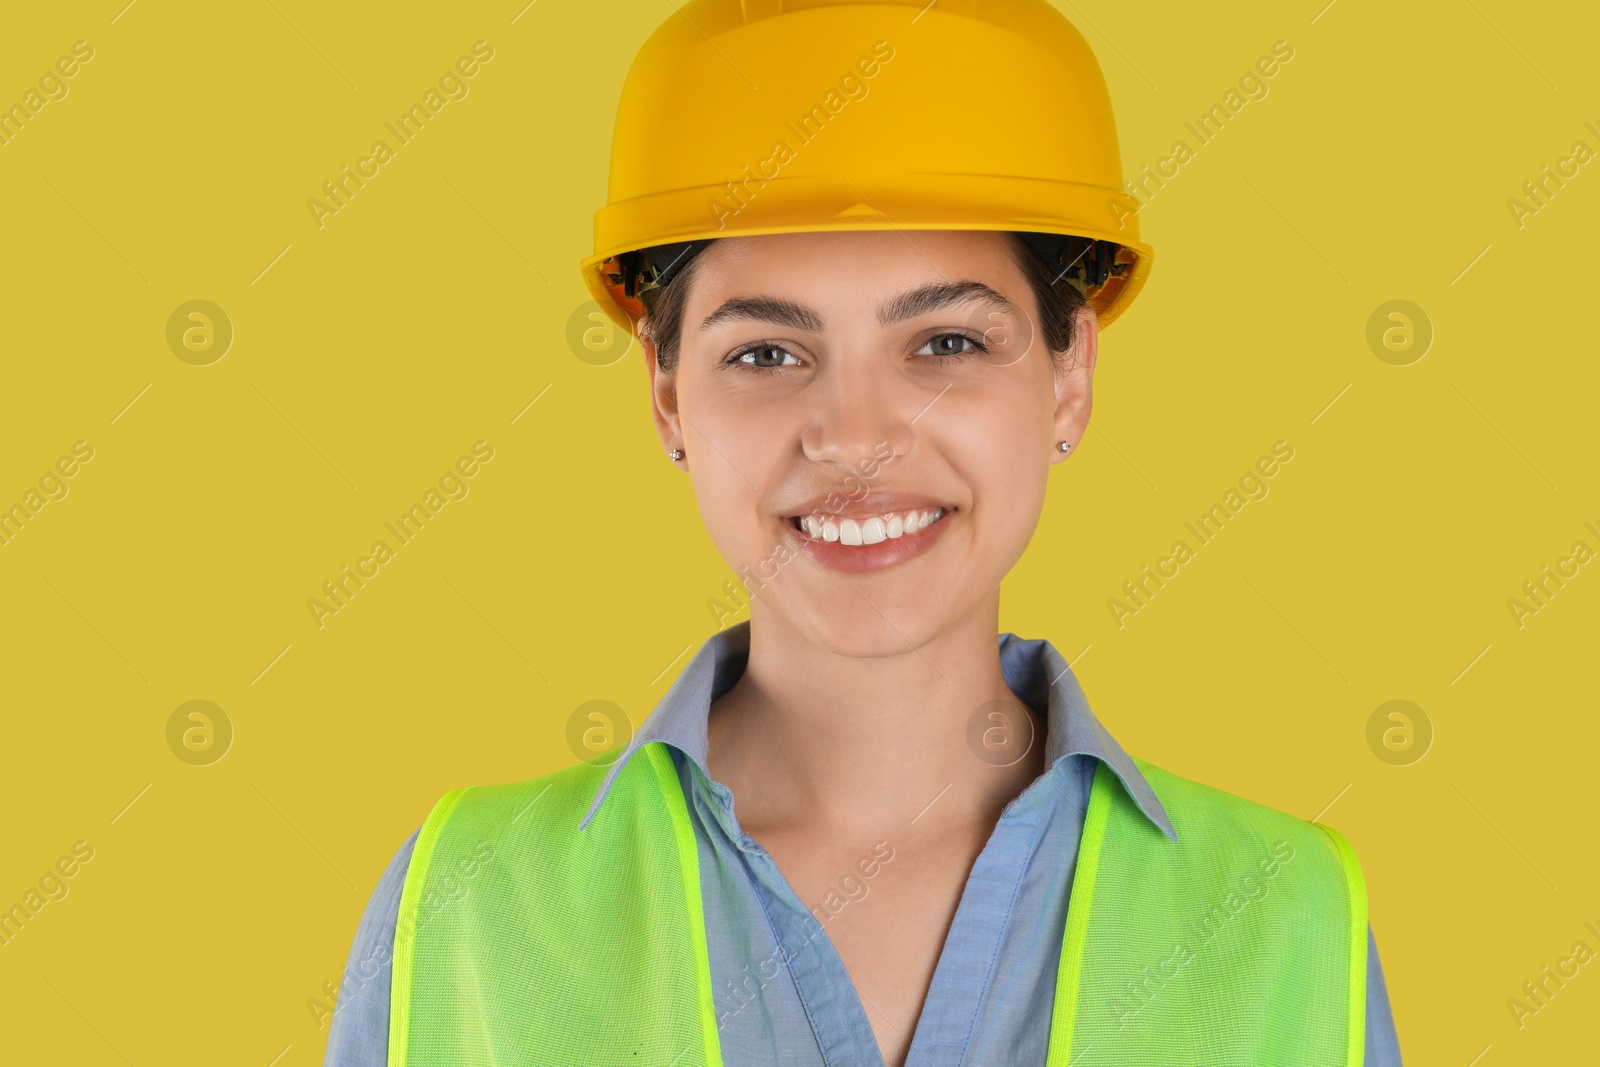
[(868, 352)]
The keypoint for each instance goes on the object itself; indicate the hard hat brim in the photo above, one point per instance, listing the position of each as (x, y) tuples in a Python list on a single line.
[(814, 204)]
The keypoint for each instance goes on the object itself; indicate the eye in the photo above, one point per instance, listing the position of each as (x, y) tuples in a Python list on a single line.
[(949, 347), (762, 357)]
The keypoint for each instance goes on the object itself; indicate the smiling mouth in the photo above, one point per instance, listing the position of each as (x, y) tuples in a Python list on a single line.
[(870, 530)]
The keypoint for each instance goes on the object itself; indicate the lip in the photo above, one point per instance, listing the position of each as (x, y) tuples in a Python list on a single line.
[(890, 552), (876, 502)]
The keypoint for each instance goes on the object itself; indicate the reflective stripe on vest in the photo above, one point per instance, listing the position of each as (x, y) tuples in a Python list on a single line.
[(523, 940)]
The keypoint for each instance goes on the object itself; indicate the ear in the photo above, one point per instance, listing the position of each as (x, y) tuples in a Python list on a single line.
[(1074, 387), (663, 393)]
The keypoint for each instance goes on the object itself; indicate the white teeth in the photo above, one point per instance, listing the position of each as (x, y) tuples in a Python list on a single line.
[(871, 530)]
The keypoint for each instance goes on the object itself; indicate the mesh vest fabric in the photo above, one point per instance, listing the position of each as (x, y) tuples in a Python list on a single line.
[(521, 940), (1242, 943)]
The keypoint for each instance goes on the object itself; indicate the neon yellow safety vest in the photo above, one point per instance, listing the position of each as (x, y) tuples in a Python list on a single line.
[(521, 940)]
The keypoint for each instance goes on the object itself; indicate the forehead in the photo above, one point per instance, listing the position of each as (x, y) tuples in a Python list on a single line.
[(850, 268)]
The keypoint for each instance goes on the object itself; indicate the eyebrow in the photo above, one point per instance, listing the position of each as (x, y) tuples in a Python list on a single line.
[(919, 301), (907, 305)]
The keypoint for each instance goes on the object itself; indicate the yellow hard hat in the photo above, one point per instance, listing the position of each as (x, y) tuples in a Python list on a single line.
[(745, 117)]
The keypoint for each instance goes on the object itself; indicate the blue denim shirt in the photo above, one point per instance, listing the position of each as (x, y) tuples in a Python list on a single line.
[(782, 995)]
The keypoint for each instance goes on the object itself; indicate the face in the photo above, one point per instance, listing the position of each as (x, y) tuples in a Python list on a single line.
[(848, 387)]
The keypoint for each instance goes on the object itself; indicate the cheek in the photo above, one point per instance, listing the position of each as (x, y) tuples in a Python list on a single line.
[(1001, 451), (1008, 426), (734, 450)]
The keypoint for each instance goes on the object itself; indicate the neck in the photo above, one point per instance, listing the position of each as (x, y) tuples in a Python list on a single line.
[(810, 736)]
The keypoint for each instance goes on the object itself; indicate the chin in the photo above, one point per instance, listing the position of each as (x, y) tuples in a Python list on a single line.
[(846, 625)]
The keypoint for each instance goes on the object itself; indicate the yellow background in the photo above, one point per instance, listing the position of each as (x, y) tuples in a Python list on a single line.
[(428, 314)]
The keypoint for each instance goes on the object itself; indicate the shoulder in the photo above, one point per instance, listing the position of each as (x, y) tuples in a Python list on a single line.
[(560, 791), (1201, 800), (550, 807), (1214, 820)]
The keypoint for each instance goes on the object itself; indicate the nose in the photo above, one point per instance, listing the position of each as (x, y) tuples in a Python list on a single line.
[(863, 413)]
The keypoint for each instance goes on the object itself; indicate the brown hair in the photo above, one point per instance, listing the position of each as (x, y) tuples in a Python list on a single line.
[(1058, 300)]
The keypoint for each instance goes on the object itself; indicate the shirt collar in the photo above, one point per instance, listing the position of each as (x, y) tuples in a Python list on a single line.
[(1035, 672)]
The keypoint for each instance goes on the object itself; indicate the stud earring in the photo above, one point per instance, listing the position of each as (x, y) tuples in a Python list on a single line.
[(1063, 446), (676, 454)]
